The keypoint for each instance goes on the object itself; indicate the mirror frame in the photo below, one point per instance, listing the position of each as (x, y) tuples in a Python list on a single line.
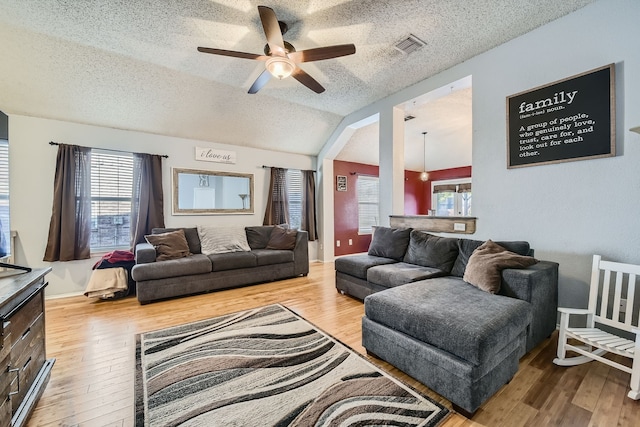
[(182, 211)]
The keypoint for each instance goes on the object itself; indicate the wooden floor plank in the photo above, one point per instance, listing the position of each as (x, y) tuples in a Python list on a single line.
[(94, 343)]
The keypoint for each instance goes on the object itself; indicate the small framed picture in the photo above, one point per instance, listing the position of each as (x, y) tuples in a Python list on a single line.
[(341, 183)]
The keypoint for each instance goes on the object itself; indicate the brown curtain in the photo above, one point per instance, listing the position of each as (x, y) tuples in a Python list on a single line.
[(146, 200), (70, 225), (309, 204), (277, 211)]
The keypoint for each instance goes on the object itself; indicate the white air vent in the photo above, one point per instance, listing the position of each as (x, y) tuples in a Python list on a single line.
[(409, 117), (409, 44)]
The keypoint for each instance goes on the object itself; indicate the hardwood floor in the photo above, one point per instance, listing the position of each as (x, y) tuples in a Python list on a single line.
[(94, 344)]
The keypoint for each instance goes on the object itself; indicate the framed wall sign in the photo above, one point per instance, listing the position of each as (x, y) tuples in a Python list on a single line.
[(341, 183), (571, 119)]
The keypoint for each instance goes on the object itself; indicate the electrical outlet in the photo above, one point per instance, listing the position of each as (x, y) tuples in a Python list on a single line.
[(623, 305), (350, 242), (459, 226), (337, 243)]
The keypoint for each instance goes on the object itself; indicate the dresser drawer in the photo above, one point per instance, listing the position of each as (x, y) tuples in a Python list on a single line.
[(21, 320), (28, 368), (5, 411), (5, 345), (5, 378), (31, 337)]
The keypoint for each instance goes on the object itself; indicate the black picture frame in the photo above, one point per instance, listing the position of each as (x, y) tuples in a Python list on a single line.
[(341, 183), (567, 120)]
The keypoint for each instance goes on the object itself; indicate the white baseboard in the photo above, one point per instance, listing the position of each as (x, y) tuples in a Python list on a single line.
[(58, 296)]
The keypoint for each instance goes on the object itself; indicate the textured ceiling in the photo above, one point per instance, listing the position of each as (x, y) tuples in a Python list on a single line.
[(134, 65)]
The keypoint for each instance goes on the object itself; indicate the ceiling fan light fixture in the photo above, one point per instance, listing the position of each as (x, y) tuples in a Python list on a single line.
[(280, 67)]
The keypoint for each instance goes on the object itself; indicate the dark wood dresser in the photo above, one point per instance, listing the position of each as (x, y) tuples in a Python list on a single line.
[(25, 370)]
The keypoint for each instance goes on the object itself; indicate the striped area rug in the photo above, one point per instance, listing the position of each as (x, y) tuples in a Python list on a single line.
[(266, 367)]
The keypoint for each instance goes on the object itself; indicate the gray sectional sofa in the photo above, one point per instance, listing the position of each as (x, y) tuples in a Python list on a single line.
[(424, 318), (198, 273)]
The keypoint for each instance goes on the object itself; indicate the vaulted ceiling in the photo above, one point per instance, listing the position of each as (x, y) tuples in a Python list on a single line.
[(134, 65)]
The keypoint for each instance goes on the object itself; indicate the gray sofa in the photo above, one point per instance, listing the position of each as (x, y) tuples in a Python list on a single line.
[(422, 317), (198, 273)]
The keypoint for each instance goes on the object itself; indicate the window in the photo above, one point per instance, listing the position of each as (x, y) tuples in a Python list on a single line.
[(5, 238), (294, 188), (111, 188), (452, 198), (367, 190)]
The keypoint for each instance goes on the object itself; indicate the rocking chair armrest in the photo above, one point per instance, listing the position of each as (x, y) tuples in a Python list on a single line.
[(573, 310)]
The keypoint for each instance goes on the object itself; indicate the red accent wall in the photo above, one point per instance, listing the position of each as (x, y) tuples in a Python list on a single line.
[(417, 201), (345, 209)]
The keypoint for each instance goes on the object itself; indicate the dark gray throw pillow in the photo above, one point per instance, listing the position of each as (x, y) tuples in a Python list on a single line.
[(389, 242), (282, 238), (428, 250), (258, 236)]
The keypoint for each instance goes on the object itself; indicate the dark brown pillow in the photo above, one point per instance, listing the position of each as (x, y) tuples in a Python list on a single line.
[(487, 262), (170, 245), (282, 238)]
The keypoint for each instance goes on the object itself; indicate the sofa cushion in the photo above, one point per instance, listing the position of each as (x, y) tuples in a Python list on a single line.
[(232, 261), (452, 315), (431, 251), (258, 236), (487, 262), (467, 246), (357, 265), (194, 264), (191, 234), (272, 256), (169, 245), (281, 238), (218, 240), (389, 242), (400, 273)]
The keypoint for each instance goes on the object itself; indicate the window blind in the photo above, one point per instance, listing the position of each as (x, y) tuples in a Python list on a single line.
[(294, 184), (367, 188), (4, 196), (111, 189)]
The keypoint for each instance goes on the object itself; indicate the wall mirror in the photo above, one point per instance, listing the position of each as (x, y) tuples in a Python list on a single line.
[(205, 192)]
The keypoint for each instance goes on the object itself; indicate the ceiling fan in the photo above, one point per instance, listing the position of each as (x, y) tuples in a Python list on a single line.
[(280, 57)]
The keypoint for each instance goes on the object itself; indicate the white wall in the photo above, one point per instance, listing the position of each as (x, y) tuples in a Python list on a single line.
[(32, 168), (567, 211)]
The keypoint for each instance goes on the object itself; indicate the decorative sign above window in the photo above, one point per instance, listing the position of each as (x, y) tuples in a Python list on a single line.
[(571, 119), (217, 156)]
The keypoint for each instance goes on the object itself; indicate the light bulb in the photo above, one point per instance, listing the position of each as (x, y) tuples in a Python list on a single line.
[(280, 67), (424, 176)]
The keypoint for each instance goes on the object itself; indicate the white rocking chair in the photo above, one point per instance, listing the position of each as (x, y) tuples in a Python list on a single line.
[(602, 311)]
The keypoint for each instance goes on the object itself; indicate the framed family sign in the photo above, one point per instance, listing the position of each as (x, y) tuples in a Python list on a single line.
[(571, 119), (341, 183)]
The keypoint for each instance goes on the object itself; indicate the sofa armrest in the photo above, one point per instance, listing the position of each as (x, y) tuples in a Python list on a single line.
[(145, 253), (301, 254), (537, 285)]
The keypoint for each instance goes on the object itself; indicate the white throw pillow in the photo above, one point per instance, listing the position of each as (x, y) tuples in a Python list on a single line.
[(219, 240)]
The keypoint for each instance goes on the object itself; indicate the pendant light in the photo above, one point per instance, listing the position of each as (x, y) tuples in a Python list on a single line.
[(424, 176)]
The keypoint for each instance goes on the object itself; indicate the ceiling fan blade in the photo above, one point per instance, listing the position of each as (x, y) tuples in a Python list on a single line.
[(272, 30), (300, 75), (260, 82), (233, 53), (321, 53)]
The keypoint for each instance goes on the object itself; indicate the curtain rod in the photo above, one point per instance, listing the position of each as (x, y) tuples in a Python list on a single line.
[(269, 167), (116, 151)]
